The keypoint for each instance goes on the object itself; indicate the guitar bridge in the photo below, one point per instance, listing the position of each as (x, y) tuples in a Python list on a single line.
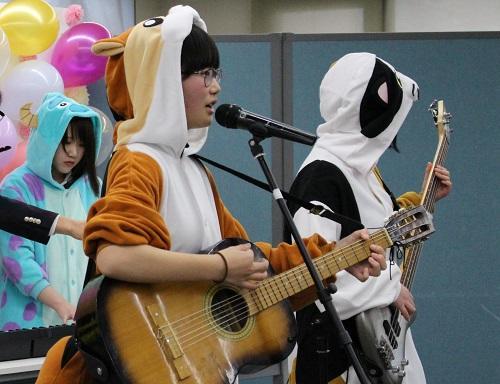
[(168, 341), (385, 352)]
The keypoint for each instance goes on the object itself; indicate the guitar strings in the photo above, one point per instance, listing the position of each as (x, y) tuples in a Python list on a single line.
[(235, 315), (208, 332), (256, 307), (263, 287), (231, 318), (283, 275)]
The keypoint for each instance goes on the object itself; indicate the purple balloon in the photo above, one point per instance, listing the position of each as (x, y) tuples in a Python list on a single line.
[(72, 55), (8, 140)]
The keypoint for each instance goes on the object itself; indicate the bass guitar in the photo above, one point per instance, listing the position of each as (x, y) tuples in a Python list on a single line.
[(202, 332), (382, 331)]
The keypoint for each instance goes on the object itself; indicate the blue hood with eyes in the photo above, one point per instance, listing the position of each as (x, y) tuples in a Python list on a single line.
[(54, 115)]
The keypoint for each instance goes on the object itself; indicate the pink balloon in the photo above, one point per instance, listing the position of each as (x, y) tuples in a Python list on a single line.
[(8, 141), (18, 160), (72, 55)]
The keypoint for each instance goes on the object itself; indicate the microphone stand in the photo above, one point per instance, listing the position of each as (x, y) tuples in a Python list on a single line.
[(260, 132)]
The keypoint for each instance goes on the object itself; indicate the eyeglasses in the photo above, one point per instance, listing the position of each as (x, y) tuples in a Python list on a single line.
[(209, 75)]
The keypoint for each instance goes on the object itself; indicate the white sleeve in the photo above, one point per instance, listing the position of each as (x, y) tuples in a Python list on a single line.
[(308, 223), (54, 225), (353, 296)]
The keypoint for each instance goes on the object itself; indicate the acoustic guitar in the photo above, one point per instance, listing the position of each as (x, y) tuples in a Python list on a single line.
[(202, 332)]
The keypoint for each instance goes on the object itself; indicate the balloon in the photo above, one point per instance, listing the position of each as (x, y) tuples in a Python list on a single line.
[(23, 131), (30, 25), (106, 139), (4, 51), (72, 55), (18, 159), (8, 141), (28, 82)]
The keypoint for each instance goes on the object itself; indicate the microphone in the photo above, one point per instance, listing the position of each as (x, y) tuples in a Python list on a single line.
[(233, 116)]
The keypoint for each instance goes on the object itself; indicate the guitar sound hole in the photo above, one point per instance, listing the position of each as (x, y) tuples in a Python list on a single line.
[(229, 310)]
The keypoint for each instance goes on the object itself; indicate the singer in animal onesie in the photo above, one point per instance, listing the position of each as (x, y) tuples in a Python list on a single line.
[(161, 206), (364, 102)]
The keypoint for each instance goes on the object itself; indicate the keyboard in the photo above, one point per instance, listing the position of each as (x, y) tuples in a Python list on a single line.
[(28, 343)]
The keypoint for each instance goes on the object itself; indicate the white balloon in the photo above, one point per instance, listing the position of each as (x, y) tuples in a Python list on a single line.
[(28, 82)]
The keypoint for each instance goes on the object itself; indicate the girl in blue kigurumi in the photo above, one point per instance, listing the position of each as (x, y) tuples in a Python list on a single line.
[(40, 284)]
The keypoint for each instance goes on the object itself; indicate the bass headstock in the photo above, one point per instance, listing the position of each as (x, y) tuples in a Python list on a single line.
[(441, 119), (410, 225)]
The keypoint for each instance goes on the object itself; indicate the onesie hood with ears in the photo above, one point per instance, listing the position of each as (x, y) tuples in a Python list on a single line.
[(364, 102), (144, 82), (54, 115)]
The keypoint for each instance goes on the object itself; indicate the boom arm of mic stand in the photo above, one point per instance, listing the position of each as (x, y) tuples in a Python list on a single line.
[(324, 294)]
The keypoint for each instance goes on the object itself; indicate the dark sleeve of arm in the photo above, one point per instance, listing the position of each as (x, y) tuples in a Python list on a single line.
[(25, 220), (324, 182)]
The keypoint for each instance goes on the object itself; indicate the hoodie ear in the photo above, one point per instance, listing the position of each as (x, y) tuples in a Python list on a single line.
[(116, 84), (112, 46)]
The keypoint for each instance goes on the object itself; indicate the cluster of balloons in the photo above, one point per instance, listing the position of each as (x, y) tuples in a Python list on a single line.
[(29, 28)]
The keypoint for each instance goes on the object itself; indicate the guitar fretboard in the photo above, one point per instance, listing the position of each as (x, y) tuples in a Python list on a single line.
[(296, 280)]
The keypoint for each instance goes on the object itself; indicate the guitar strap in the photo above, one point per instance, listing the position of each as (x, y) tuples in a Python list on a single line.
[(395, 204), (312, 208), (96, 367)]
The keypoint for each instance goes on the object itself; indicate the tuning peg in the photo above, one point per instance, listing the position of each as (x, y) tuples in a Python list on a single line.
[(433, 105)]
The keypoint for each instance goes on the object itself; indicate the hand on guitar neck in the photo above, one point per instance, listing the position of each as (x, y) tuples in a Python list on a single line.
[(373, 264), (443, 178)]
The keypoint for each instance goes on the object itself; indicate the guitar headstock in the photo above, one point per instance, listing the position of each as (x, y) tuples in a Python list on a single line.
[(441, 118), (411, 225)]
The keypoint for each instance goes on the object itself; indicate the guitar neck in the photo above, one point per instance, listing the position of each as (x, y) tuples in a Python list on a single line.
[(428, 197), (428, 201), (298, 279), (431, 186)]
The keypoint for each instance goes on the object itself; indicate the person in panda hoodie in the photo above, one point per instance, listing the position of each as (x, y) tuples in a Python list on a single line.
[(364, 102)]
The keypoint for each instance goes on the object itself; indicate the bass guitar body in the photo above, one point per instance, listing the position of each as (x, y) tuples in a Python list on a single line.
[(196, 332), (382, 335)]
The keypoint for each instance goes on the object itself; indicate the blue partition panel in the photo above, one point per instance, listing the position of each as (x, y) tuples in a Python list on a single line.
[(246, 81), (457, 287)]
